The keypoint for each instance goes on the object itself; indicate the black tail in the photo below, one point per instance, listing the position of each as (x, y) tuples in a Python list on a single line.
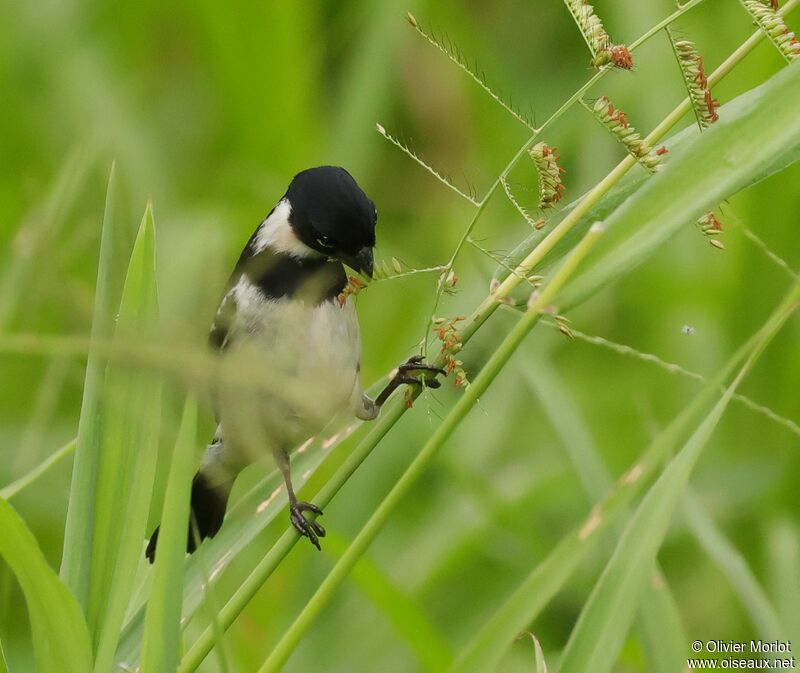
[(208, 511)]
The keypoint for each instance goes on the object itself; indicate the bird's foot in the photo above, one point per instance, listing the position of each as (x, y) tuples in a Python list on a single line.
[(415, 371), (307, 527)]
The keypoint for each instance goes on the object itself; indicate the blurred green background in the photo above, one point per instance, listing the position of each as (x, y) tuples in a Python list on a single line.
[(210, 108)]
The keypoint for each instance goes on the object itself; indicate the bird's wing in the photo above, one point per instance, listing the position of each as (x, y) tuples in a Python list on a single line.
[(222, 329), (221, 332)]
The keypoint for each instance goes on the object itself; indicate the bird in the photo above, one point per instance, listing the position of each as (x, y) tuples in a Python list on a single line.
[(286, 328)]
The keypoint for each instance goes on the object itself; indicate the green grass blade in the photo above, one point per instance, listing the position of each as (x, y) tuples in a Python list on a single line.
[(658, 621), (734, 566), (126, 467), (10, 490), (3, 664), (251, 584), (60, 639), (76, 556), (485, 649), (721, 162), (598, 636), (161, 647)]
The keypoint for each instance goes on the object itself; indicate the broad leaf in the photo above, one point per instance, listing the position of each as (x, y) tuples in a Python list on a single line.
[(60, 639)]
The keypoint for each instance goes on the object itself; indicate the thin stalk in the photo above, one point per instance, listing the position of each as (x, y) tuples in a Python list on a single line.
[(672, 368), (280, 654)]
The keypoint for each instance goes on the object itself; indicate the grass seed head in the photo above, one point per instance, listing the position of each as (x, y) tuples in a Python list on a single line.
[(766, 16), (616, 121), (551, 186), (696, 81), (597, 38)]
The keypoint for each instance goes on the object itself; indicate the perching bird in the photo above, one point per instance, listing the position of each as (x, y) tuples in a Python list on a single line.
[(285, 328)]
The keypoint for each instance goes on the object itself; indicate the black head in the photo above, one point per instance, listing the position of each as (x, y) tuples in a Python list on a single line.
[(332, 215)]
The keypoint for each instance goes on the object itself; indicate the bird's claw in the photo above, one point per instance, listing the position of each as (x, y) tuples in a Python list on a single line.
[(307, 527), (417, 364)]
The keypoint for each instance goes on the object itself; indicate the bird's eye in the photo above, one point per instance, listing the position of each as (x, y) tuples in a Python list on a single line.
[(325, 242)]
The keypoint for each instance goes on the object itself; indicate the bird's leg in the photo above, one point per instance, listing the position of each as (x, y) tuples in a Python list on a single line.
[(309, 528), (405, 374)]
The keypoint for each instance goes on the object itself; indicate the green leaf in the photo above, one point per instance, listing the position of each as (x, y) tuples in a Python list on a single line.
[(60, 639), (127, 461), (77, 553), (601, 629), (162, 631), (722, 161)]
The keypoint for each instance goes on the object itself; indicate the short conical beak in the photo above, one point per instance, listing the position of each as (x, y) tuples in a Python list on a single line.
[(363, 261)]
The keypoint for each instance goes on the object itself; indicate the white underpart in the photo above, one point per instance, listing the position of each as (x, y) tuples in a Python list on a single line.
[(305, 359), (276, 232)]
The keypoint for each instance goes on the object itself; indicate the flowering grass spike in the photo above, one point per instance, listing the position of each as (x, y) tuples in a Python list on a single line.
[(447, 332), (616, 121), (694, 76), (551, 187), (768, 19), (597, 39)]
